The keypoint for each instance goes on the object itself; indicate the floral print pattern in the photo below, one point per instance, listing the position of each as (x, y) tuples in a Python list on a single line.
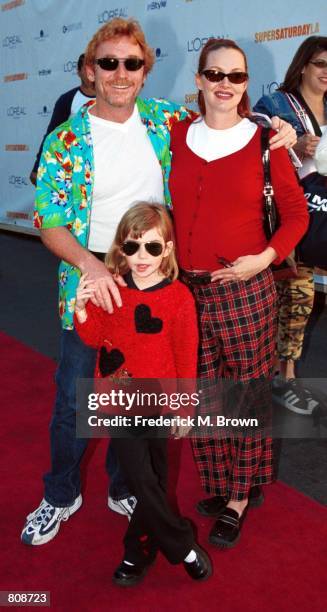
[(65, 180)]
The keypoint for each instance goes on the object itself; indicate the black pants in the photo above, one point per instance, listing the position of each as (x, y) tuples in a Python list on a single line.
[(153, 525)]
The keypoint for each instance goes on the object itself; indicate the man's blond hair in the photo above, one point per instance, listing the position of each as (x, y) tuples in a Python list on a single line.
[(116, 28)]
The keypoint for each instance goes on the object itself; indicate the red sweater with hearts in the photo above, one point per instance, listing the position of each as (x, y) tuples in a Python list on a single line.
[(153, 335)]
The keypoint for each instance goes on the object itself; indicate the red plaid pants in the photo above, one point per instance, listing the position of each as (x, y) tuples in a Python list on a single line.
[(237, 340)]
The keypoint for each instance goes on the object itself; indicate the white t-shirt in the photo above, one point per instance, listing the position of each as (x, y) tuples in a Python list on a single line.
[(126, 171), (312, 164), (78, 100), (211, 144)]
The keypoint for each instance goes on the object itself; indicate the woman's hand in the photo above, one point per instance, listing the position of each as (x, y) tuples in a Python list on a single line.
[(306, 145), (85, 291), (286, 135), (245, 267)]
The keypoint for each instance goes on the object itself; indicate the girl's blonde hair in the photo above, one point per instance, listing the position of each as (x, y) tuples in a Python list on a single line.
[(137, 220)]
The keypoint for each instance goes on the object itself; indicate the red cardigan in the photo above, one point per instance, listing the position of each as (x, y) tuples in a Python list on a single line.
[(218, 205)]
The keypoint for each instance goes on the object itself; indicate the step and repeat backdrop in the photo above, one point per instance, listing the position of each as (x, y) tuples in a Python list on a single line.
[(41, 41)]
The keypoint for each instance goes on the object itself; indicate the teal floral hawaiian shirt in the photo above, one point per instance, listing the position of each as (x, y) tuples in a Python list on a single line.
[(65, 181)]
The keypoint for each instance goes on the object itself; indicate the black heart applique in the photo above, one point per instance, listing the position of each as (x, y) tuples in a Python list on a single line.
[(144, 322), (110, 362)]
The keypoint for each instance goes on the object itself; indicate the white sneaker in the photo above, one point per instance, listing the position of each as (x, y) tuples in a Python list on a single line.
[(43, 524), (125, 506)]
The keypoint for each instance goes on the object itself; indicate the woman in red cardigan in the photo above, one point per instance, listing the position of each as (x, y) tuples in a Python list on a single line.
[(218, 215)]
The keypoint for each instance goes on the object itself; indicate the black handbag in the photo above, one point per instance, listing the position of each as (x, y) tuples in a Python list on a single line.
[(312, 249), (271, 222)]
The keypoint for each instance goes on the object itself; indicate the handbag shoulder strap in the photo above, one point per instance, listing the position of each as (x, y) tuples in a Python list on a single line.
[(269, 209), (265, 152), (304, 112)]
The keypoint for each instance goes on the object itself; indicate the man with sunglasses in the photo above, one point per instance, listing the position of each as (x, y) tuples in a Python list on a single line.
[(111, 154)]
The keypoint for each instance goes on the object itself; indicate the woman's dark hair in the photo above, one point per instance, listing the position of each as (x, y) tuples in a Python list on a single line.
[(307, 50), (213, 44)]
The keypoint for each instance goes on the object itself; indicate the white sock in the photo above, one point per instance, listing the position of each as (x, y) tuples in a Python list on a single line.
[(128, 563), (190, 557)]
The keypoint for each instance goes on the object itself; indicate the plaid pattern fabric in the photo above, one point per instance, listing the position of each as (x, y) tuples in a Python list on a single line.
[(295, 303), (237, 340)]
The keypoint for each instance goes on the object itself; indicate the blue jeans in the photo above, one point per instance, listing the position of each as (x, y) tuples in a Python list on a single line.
[(63, 482)]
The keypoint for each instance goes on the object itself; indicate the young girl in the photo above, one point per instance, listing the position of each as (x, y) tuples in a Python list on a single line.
[(153, 335)]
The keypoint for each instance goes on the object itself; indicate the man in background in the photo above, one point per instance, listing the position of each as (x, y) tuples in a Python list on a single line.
[(67, 104)]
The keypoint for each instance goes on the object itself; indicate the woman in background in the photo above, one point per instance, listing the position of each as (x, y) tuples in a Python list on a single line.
[(301, 100)]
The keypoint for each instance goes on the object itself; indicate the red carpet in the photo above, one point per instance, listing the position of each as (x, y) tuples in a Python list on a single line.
[(279, 564)]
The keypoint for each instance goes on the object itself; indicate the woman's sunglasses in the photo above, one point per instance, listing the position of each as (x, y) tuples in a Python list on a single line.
[(154, 248), (215, 76), (319, 63), (111, 63)]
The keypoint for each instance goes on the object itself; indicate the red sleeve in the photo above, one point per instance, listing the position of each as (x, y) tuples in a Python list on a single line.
[(185, 346), (291, 205), (185, 336), (91, 331)]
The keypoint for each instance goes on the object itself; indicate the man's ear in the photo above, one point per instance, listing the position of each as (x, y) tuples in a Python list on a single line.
[(90, 72)]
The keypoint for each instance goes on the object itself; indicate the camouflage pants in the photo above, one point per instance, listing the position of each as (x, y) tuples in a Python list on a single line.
[(295, 302)]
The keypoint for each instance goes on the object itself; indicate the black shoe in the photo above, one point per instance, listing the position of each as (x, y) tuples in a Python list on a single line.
[(201, 568), (291, 394), (226, 530), (256, 497), (129, 575), (212, 506)]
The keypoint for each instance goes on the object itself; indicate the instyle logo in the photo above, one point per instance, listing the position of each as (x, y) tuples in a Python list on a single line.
[(109, 14), (17, 147), (42, 36), (71, 66), (191, 98), (198, 43), (18, 215), (16, 112), (11, 42), (154, 6), (160, 54), (20, 76), (306, 29), (11, 5), (72, 27), (44, 72), (18, 181)]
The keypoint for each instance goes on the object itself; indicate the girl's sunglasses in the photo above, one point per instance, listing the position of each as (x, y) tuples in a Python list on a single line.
[(215, 76), (111, 63), (154, 248)]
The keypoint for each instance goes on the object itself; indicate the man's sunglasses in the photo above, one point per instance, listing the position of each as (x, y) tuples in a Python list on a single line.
[(215, 76), (111, 63), (319, 63), (154, 248)]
